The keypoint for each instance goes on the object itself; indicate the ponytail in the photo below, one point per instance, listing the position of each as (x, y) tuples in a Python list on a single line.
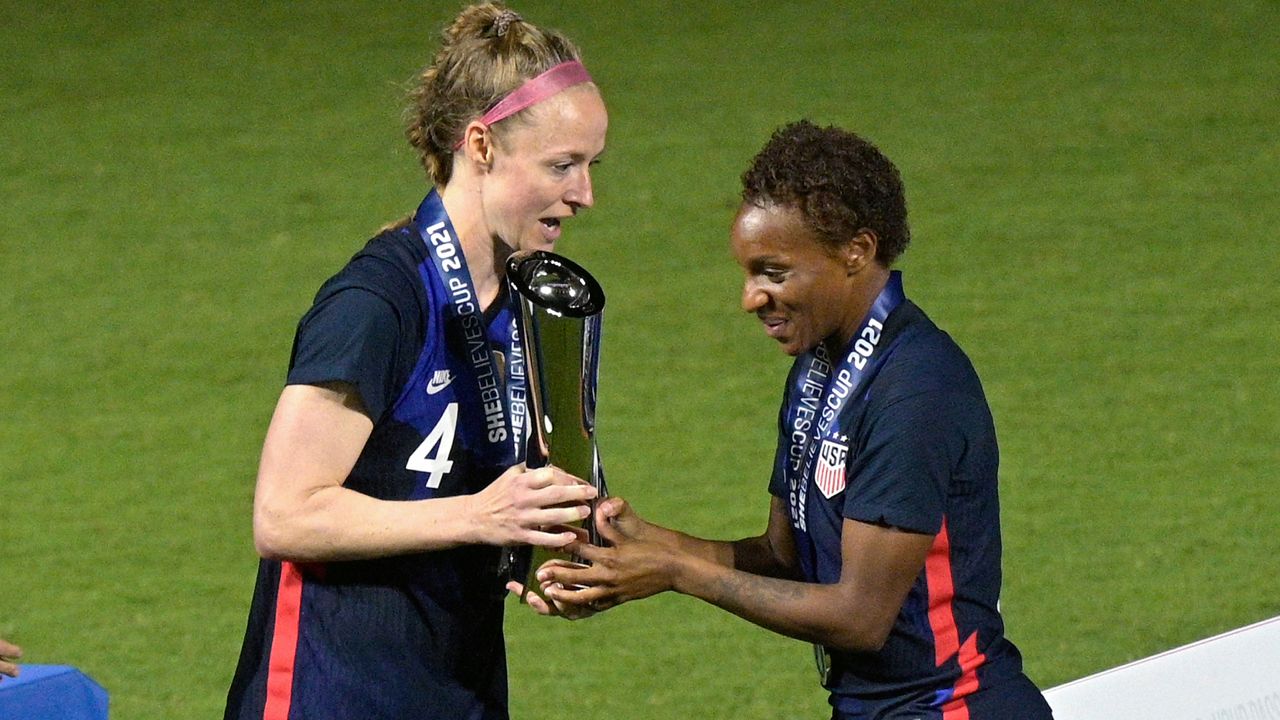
[(486, 53)]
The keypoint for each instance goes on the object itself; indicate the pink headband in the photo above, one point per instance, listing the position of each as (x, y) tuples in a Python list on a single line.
[(535, 90)]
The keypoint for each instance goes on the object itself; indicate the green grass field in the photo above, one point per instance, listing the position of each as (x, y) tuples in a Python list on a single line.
[(1093, 189)]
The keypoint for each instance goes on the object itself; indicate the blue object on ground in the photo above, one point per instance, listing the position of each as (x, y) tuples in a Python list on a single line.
[(52, 692)]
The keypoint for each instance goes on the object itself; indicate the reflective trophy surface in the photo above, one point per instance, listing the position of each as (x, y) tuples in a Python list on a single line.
[(558, 323)]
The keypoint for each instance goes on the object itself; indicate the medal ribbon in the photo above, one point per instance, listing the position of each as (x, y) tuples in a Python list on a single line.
[(505, 422), (821, 392)]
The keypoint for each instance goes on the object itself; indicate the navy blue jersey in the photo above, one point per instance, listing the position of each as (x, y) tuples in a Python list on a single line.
[(412, 636), (916, 451)]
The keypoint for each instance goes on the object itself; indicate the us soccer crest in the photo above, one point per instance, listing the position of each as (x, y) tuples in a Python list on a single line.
[(829, 474)]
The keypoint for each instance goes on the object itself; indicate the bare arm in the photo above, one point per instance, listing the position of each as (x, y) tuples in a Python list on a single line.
[(772, 553), (878, 567), (302, 512)]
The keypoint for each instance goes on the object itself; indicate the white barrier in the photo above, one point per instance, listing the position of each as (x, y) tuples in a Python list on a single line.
[(1232, 676)]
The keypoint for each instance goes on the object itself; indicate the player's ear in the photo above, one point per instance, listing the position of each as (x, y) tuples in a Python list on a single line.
[(859, 250), (477, 143)]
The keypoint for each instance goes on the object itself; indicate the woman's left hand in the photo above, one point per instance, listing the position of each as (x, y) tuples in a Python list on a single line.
[(568, 611), (634, 565)]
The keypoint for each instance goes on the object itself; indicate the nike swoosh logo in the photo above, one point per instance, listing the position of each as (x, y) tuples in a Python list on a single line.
[(439, 381)]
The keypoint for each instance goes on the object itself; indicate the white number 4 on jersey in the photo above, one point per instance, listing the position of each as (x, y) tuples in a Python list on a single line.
[(432, 456)]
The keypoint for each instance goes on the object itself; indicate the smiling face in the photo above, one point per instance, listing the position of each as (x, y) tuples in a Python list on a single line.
[(541, 169), (802, 289)]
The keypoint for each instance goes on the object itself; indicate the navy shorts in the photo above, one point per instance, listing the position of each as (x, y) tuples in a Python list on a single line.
[(1015, 699)]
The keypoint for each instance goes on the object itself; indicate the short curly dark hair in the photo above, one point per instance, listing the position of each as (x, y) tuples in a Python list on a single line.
[(838, 181)]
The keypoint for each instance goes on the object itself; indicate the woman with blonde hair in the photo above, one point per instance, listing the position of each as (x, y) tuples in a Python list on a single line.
[(389, 479)]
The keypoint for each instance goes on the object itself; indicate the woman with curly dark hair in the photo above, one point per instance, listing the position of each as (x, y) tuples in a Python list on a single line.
[(883, 541), (390, 477)]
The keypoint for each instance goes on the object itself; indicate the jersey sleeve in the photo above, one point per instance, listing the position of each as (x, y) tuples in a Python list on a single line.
[(778, 480), (912, 447), (351, 336)]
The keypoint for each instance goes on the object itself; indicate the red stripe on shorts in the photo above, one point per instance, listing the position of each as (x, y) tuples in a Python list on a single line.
[(942, 620), (284, 644)]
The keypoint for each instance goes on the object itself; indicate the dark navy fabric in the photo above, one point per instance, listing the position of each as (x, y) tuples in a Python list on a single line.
[(346, 337), (414, 636), (921, 452), (1014, 699)]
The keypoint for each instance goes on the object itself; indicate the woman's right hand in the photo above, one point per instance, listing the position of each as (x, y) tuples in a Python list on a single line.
[(524, 507), (9, 654)]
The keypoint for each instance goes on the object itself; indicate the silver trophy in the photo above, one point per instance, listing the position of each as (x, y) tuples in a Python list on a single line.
[(558, 322)]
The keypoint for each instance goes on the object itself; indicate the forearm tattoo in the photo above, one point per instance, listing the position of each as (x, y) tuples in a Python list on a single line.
[(743, 590)]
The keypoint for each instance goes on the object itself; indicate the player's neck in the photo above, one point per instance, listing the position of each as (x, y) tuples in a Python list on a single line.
[(484, 255), (866, 287)]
